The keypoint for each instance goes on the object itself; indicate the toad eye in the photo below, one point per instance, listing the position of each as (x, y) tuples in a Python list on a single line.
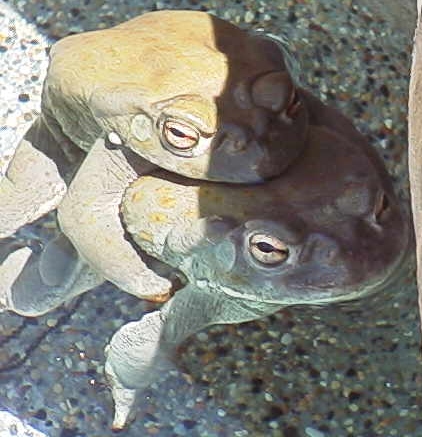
[(294, 105), (268, 249), (382, 207), (180, 135)]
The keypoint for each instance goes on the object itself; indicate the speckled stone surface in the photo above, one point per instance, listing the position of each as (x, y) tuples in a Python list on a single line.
[(342, 371)]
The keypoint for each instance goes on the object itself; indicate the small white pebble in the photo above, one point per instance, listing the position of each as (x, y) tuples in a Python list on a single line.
[(68, 362), (57, 388), (312, 432), (268, 397), (273, 424), (80, 345), (388, 123), (335, 385), (249, 17), (286, 339), (221, 412), (241, 433), (202, 336)]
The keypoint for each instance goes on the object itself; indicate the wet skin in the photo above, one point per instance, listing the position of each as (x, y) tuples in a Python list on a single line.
[(198, 96), (314, 235)]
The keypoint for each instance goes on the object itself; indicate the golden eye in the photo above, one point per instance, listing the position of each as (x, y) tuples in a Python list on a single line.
[(180, 135), (268, 249)]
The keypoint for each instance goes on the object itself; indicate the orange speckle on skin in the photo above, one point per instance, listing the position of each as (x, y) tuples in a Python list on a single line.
[(146, 236), (191, 213), (157, 217), (137, 196), (163, 190), (167, 201)]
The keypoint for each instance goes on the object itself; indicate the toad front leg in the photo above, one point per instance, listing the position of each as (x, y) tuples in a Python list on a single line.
[(89, 216), (34, 182), (138, 352)]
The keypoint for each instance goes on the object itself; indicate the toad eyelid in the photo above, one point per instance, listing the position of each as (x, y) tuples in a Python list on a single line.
[(189, 120)]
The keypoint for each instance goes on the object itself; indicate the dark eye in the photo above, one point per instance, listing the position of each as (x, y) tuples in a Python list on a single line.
[(180, 135), (268, 249), (382, 206), (294, 105)]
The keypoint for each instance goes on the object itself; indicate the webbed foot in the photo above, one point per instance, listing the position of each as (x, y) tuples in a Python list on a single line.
[(33, 282), (134, 360), (124, 399), (10, 270)]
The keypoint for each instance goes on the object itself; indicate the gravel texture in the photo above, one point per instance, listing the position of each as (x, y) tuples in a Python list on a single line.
[(343, 371)]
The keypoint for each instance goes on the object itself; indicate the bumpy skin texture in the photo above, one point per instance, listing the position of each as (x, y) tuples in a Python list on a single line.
[(314, 235), (185, 90), (337, 209)]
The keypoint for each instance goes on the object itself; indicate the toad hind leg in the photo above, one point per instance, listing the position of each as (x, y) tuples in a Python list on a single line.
[(138, 352), (33, 283), (89, 216), (32, 185)]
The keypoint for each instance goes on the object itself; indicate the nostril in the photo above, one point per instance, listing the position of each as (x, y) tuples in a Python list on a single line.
[(321, 249), (235, 145), (382, 207), (232, 139)]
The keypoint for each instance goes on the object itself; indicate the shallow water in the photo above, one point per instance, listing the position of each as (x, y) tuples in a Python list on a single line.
[(351, 370)]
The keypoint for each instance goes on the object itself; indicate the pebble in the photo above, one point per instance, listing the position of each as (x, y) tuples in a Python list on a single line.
[(180, 429), (286, 339), (68, 362), (80, 345), (51, 323), (312, 432), (58, 388), (249, 16)]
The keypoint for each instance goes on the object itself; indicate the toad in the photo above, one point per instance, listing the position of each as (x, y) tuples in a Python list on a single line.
[(312, 236), (184, 90)]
